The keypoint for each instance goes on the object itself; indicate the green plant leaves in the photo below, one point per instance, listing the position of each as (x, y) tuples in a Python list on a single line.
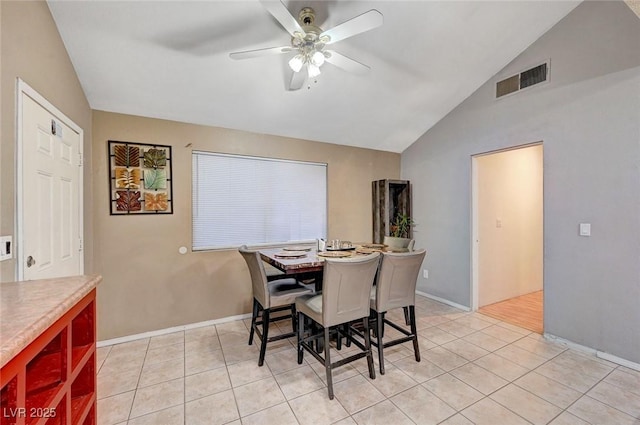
[(401, 225)]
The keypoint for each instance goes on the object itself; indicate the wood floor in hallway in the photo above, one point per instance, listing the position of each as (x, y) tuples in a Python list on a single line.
[(525, 311)]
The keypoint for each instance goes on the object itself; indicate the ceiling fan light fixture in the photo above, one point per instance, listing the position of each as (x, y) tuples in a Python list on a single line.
[(296, 63), (308, 41), (318, 58), (313, 70)]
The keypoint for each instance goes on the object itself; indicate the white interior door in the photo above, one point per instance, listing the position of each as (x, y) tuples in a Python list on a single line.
[(50, 194)]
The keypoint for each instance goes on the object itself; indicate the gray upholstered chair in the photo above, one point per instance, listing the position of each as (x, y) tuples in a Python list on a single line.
[(396, 288), (346, 286), (273, 273), (270, 296)]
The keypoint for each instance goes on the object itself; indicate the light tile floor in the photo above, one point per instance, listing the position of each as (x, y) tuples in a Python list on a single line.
[(474, 370)]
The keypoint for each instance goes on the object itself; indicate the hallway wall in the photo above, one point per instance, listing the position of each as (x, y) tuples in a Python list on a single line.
[(509, 214)]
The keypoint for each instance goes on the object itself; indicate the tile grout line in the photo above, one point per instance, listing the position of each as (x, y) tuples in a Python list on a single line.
[(585, 394), (235, 399), (548, 357)]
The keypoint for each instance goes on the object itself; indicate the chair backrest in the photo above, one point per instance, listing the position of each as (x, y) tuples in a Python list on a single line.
[(397, 277), (411, 245), (346, 288), (258, 275)]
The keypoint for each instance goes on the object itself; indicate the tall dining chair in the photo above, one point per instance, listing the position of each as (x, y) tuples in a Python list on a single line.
[(396, 288), (270, 297), (346, 285), (408, 246)]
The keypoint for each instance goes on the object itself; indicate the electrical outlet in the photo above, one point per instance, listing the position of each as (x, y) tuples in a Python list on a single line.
[(425, 273), (585, 229), (6, 248)]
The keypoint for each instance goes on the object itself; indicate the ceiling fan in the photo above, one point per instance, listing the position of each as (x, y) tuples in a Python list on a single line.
[(309, 42)]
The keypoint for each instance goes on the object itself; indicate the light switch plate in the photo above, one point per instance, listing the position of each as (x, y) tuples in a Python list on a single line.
[(585, 229), (6, 248)]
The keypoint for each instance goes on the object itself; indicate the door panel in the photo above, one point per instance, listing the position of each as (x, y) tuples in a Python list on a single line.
[(51, 195)]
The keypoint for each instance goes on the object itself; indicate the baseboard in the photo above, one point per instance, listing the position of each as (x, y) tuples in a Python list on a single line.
[(159, 332), (443, 301), (600, 354), (150, 334)]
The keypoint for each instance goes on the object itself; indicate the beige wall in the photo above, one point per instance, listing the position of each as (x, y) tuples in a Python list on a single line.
[(147, 284), (32, 50), (509, 190)]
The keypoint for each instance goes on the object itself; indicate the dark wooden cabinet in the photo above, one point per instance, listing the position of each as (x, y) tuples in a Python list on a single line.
[(389, 198)]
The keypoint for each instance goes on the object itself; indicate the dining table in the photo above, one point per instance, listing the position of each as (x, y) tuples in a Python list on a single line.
[(305, 262)]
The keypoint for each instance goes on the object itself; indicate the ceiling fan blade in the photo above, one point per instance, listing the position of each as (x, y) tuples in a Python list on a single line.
[(361, 23), (297, 80), (346, 63), (248, 54), (282, 15)]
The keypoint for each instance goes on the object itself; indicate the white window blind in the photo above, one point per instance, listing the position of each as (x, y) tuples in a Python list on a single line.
[(249, 200)]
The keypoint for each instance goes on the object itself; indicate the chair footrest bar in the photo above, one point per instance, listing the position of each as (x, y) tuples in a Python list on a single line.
[(395, 342), (350, 359), (273, 319), (396, 327), (313, 352), (258, 332), (352, 339)]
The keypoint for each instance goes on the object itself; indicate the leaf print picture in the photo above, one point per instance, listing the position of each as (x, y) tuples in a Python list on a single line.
[(128, 178), (127, 156), (155, 158), (139, 178), (155, 179), (157, 202), (128, 201)]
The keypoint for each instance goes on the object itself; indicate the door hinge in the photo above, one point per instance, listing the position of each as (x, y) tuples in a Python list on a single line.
[(80, 159), (80, 247), (56, 129)]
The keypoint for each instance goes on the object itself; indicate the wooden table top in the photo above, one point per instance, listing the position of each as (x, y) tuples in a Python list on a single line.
[(311, 261)]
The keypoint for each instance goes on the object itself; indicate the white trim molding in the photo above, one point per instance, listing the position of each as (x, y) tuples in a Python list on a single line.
[(443, 301), (600, 354), (150, 334)]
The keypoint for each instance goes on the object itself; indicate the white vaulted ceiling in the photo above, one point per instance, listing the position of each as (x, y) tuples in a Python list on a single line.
[(170, 60)]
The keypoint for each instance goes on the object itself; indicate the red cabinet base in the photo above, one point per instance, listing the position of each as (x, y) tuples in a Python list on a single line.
[(53, 380)]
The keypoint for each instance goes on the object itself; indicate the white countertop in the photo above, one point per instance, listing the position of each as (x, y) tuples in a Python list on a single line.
[(28, 308)]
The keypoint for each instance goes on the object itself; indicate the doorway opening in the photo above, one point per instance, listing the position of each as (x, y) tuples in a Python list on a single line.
[(507, 235)]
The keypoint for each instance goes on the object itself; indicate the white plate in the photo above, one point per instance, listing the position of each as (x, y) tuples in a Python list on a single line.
[(374, 245), (297, 248), (291, 254), (334, 254)]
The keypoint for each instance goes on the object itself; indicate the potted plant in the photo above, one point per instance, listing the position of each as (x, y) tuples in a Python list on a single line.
[(399, 236)]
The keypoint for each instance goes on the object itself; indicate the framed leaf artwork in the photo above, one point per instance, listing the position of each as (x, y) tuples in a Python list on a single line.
[(139, 178)]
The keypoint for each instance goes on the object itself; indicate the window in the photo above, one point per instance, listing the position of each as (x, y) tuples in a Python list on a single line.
[(249, 200)]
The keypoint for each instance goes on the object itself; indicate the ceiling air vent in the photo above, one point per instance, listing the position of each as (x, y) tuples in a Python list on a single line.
[(528, 78)]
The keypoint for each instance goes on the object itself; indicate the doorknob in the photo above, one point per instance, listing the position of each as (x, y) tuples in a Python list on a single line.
[(30, 261)]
